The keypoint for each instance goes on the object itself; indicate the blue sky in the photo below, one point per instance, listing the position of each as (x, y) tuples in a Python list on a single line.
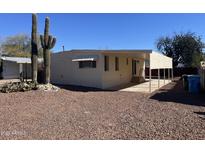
[(105, 31)]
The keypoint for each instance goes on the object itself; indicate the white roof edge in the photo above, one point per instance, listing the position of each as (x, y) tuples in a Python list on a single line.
[(101, 51)]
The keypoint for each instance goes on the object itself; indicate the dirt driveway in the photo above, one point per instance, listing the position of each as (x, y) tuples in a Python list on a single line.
[(78, 113)]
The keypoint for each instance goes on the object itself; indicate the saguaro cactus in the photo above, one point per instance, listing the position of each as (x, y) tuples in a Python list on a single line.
[(34, 48), (47, 43)]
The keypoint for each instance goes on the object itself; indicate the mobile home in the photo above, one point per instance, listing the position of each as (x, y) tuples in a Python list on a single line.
[(105, 69)]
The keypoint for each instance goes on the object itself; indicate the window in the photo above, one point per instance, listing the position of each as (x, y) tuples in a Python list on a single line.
[(116, 64), (127, 61), (134, 67), (106, 63), (87, 64)]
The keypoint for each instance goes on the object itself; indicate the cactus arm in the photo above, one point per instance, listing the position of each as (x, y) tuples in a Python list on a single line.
[(50, 39), (46, 32), (42, 41), (53, 43)]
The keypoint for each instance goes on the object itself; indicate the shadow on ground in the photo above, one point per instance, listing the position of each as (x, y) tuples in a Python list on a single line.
[(81, 88), (201, 115), (175, 93), (90, 89)]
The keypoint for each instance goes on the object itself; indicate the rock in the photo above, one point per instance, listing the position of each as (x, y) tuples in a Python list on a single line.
[(26, 86), (48, 87)]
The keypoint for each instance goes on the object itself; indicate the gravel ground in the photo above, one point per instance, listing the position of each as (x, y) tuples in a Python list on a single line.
[(77, 113)]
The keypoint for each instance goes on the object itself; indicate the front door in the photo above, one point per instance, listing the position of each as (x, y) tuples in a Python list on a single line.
[(134, 71)]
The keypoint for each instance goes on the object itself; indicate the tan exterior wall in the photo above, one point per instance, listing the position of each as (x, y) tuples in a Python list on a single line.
[(140, 68), (65, 71), (112, 77), (158, 60)]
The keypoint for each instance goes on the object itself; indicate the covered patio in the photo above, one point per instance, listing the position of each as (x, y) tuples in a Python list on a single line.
[(143, 87), (159, 73)]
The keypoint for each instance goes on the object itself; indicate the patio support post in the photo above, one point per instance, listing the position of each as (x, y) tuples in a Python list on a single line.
[(172, 74), (20, 71), (203, 79), (150, 77), (164, 75), (26, 72), (158, 78), (168, 74)]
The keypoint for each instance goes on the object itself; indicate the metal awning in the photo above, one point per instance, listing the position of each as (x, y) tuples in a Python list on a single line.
[(20, 60), (85, 58)]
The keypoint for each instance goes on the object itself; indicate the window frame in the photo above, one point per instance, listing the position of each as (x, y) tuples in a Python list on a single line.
[(127, 61), (106, 63), (117, 64), (91, 64)]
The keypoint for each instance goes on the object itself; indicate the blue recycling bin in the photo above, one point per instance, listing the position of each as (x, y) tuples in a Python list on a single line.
[(194, 83)]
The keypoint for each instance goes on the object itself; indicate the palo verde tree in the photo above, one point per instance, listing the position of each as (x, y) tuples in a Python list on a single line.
[(47, 43), (16, 45), (19, 45), (185, 48)]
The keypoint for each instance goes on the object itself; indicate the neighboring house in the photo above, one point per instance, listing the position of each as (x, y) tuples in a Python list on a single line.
[(105, 69), (14, 67)]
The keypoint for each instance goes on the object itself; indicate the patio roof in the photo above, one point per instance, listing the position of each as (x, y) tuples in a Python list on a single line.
[(160, 61)]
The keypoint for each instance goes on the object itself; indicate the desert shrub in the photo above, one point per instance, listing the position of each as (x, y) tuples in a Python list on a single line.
[(18, 87)]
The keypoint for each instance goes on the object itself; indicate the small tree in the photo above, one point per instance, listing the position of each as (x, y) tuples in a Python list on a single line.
[(18, 45), (186, 48)]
